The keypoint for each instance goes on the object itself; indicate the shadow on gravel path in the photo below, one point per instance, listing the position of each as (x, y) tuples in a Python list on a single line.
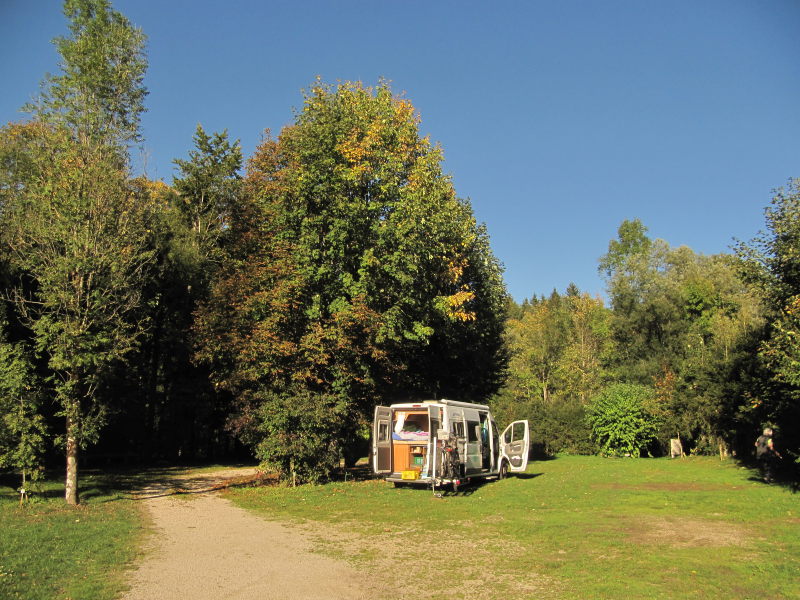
[(204, 547)]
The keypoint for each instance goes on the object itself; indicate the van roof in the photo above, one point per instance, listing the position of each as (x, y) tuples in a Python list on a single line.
[(443, 401)]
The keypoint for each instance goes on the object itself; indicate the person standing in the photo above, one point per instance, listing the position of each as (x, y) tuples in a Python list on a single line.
[(766, 454)]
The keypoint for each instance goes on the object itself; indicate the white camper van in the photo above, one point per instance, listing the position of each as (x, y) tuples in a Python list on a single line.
[(444, 442)]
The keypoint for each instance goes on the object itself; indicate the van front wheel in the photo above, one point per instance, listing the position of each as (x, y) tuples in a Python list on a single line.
[(503, 470)]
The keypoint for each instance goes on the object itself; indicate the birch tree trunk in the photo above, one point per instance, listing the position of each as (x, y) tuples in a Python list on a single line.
[(71, 484)]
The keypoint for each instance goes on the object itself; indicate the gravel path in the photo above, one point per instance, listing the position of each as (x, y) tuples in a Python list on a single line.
[(204, 547)]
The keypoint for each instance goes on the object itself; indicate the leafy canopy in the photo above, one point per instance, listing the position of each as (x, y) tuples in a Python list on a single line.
[(353, 274), (99, 93)]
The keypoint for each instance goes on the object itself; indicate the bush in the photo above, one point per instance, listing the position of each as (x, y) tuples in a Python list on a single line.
[(302, 434), (557, 426), (620, 421), (562, 427)]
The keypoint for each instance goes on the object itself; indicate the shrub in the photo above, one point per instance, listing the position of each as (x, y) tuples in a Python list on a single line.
[(620, 420)]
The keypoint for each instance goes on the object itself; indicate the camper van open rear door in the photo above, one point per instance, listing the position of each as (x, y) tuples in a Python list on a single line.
[(382, 440), (514, 443)]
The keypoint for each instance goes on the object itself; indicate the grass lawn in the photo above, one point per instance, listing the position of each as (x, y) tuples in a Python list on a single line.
[(49, 550), (573, 527)]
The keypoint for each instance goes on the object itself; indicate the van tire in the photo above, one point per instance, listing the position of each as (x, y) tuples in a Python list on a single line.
[(503, 470)]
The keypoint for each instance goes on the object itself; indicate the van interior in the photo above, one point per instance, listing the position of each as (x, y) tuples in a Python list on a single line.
[(410, 435)]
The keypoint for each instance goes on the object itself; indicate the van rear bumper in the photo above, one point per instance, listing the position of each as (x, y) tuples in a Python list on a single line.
[(425, 481)]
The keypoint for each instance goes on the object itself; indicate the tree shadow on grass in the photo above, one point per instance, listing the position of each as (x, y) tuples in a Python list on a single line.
[(48, 487), (143, 484), (360, 472)]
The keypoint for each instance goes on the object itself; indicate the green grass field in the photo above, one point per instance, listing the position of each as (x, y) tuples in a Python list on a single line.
[(573, 527), (51, 551)]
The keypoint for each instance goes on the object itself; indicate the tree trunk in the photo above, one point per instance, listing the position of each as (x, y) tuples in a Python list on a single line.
[(71, 486)]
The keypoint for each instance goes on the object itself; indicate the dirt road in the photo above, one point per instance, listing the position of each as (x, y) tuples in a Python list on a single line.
[(204, 547)]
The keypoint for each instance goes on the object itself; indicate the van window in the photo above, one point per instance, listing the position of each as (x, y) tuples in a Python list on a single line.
[(474, 430), (457, 428), (412, 422), (515, 433), (409, 425), (383, 431)]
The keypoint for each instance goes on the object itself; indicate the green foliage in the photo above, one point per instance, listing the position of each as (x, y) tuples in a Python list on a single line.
[(23, 431), (87, 264), (353, 274), (622, 420), (682, 323), (301, 433), (558, 350), (74, 230), (558, 426), (771, 264), (170, 407), (207, 190), (342, 272), (631, 242), (100, 93)]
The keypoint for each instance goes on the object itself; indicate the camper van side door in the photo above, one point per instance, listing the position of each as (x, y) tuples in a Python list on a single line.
[(382, 440), (514, 444)]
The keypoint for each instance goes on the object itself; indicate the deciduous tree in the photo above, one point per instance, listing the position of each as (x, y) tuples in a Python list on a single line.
[(72, 224), (558, 350), (771, 263), (354, 275), (681, 323)]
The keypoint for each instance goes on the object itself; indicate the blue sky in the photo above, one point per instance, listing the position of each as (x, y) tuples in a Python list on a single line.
[(558, 119)]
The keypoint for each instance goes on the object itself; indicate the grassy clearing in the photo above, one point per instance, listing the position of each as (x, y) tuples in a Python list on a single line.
[(574, 527), (49, 550)]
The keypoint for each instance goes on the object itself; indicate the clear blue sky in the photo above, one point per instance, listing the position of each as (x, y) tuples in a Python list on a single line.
[(558, 119)]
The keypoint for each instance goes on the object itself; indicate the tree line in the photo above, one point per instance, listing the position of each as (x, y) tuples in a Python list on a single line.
[(700, 349), (266, 306)]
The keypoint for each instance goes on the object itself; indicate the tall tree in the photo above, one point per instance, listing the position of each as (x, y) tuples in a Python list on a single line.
[(208, 185), (538, 341), (770, 262), (71, 222), (589, 346), (680, 325), (350, 261), (181, 414)]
